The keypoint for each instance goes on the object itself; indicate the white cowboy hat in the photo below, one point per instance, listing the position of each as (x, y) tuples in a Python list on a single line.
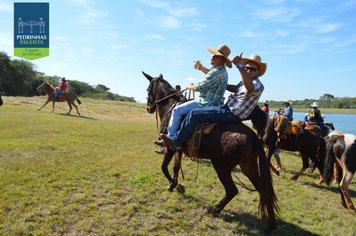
[(287, 101), (315, 104), (224, 51), (256, 59)]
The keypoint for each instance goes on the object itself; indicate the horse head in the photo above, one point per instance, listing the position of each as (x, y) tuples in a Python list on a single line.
[(157, 92), (46, 88)]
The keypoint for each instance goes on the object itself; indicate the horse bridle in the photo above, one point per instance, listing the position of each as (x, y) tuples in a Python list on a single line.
[(151, 106)]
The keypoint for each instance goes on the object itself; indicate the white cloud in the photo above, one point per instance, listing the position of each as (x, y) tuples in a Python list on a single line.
[(183, 12), (6, 7), (154, 37), (155, 3), (279, 14), (169, 22)]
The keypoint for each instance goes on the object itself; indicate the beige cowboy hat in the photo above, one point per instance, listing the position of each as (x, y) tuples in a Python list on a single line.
[(265, 102), (315, 104), (224, 51), (256, 59), (287, 102)]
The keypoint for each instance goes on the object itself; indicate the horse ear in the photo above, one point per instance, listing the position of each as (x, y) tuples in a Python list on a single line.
[(160, 76), (147, 76)]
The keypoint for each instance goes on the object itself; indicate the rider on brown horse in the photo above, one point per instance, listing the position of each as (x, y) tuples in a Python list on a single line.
[(61, 88)]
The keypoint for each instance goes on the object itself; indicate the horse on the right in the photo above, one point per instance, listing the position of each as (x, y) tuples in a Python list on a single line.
[(341, 149)]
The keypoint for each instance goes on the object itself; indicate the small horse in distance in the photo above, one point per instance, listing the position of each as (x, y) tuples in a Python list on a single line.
[(1, 102), (341, 149), (227, 146), (66, 97), (309, 145)]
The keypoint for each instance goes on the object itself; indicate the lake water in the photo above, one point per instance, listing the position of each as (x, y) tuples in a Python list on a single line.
[(343, 122)]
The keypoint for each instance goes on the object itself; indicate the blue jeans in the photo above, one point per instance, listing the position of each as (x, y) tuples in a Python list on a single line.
[(215, 114), (57, 92), (177, 116)]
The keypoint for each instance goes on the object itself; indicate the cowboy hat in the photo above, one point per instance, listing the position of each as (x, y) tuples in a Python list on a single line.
[(256, 59), (265, 102), (224, 51), (315, 104), (287, 102)]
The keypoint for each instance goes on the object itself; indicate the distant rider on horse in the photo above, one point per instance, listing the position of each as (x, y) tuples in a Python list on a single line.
[(314, 117), (61, 88)]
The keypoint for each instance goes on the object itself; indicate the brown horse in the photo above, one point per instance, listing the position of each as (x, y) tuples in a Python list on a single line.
[(341, 149), (227, 146), (66, 97), (315, 128), (309, 145)]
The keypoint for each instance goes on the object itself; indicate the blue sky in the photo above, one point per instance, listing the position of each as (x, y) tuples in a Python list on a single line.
[(309, 45)]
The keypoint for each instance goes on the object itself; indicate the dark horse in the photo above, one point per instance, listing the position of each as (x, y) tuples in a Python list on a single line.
[(341, 149), (309, 145), (1, 102), (66, 97), (227, 146)]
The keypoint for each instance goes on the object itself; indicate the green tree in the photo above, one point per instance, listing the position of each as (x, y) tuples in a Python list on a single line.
[(326, 100)]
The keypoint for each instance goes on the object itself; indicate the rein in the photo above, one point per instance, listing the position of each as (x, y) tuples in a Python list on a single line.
[(164, 98)]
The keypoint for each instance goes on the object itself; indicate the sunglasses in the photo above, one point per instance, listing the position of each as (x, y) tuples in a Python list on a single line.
[(253, 69)]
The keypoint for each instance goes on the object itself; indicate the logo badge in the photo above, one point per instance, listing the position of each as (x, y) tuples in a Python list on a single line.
[(31, 30)]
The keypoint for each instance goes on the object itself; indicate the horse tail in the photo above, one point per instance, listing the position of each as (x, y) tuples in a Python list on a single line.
[(268, 205), (79, 102), (329, 160)]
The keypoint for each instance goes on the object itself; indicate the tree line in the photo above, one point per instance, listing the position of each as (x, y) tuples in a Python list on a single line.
[(19, 78), (324, 101)]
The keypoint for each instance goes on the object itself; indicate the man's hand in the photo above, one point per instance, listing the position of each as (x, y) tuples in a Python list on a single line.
[(197, 65), (191, 86), (237, 60)]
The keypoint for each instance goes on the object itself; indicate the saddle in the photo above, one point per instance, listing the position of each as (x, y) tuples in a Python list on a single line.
[(193, 143), (283, 127)]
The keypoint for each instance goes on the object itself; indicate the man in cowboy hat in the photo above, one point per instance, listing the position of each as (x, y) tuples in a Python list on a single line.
[(287, 111), (239, 104), (314, 116), (60, 88), (211, 89)]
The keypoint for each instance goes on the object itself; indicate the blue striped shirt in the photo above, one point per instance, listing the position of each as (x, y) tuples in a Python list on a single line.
[(213, 87), (242, 104)]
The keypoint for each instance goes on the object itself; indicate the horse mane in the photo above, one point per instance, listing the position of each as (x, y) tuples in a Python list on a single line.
[(165, 88), (46, 82)]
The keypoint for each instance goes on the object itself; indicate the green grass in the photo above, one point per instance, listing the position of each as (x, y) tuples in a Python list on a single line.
[(98, 175)]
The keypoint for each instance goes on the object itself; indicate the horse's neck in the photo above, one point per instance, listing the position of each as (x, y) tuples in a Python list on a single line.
[(164, 109), (49, 89)]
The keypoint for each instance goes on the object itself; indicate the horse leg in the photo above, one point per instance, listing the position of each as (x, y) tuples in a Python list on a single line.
[(270, 152), (48, 100), (70, 107), (164, 167), (76, 107), (344, 187), (304, 167), (224, 175), (53, 102), (176, 167)]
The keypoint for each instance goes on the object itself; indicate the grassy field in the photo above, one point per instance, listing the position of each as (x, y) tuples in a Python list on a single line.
[(98, 175)]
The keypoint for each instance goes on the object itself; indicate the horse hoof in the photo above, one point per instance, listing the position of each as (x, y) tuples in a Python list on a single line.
[(180, 188), (172, 186), (213, 210)]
